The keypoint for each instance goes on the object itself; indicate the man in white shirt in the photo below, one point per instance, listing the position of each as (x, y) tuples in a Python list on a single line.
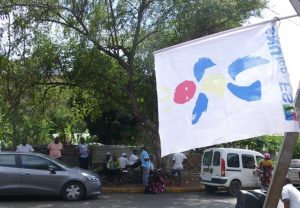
[(133, 157), (178, 160), (124, 162), (24, 147), (290, 195)]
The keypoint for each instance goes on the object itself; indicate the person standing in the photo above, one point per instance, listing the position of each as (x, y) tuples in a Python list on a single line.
[(55, 148), (265, 171), (83, 152), (24, 147), (290, 196), (177, 160), (145, 164)]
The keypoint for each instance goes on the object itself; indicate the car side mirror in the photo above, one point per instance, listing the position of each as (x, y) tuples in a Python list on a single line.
[(52, 169)]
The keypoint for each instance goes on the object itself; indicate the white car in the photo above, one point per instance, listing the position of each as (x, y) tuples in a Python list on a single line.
[(229, 168)]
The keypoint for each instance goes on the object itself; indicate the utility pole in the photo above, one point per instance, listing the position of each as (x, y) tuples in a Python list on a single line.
[(285, 156)]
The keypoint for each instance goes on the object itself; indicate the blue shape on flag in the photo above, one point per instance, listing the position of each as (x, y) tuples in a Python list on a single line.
[(200, 107), (200, 66), (242, 64), (247, 93)]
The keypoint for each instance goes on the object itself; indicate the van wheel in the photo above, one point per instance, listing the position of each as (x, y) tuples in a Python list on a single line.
[(210, 189), (72, 191), (234, 188)]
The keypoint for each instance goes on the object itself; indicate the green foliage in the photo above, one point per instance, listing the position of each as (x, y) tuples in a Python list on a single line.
[(296, 153), (102, 59)]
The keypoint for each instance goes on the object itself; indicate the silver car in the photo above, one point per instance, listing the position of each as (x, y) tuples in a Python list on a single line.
[(294, 172), (38, 174)]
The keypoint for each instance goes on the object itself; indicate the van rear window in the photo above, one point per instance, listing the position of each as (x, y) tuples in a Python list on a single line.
[(216, 158), (207, 158)]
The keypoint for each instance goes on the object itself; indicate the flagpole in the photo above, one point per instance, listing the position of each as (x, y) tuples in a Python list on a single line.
[(282, 167), (275, 19)]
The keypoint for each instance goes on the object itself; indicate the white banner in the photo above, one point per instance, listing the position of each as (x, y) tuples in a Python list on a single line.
[(223, 88)]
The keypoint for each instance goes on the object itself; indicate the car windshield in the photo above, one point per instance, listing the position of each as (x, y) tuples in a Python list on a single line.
[(295, 164)]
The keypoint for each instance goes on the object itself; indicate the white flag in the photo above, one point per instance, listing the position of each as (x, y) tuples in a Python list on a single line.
[(223, 88)]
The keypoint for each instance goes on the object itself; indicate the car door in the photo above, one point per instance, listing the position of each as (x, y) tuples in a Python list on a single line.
[(36, 178), (9, 174), (250, 178), (206, 166)]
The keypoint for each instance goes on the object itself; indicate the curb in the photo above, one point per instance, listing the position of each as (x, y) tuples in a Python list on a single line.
[(141, 190)]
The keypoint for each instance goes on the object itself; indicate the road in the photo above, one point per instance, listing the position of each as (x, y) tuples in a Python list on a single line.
[(128, 200)]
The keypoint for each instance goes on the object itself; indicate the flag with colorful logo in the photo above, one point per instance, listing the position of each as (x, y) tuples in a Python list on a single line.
[(222, 88)]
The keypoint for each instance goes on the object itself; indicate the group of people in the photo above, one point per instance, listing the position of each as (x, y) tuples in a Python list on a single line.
[(113, 167), (55, 150), (177, 160)]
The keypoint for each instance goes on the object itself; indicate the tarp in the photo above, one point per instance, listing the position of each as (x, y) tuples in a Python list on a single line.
[(223, 88)]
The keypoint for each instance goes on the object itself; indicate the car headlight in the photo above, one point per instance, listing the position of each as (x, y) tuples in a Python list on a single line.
[(91, 177)]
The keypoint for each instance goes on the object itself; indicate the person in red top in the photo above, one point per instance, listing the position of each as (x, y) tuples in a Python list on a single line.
[(55, 148)]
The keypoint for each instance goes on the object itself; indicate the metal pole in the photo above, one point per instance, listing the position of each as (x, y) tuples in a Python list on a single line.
[(296, 5), (285, 156)]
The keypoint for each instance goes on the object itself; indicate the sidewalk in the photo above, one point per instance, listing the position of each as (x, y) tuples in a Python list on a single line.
[(138, 188), (189, 183)]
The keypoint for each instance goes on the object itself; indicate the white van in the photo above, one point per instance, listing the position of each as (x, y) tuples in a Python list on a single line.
[(230, 168)]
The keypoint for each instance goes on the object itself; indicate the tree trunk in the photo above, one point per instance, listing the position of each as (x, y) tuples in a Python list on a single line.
[(14, 127), (154, 141)]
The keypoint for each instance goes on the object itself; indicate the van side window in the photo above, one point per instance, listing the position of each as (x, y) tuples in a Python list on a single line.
[(207, 158), (248, 161), (216, 158), (233, 160)]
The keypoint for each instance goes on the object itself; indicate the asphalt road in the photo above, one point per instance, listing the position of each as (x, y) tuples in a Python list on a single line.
[(128, 200)]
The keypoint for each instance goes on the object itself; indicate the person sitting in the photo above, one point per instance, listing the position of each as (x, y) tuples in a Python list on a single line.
[(114, 169), (103, 170), (134, 159), (124, 162)]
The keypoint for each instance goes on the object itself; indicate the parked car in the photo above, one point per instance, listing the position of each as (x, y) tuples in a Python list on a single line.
[(229, 168), (294, 172), (38, 174)]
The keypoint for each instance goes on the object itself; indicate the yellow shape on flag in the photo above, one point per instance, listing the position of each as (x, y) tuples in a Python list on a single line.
[(214, 84)]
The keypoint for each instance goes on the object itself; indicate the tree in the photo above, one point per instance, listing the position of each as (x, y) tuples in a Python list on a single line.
[(127, 32), (28, 78)]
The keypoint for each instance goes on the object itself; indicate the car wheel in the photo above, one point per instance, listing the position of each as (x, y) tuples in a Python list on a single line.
[(72, 191), (234, 188), (210, 189)]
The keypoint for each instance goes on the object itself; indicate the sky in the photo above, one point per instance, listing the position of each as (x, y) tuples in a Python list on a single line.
[(289, 34)]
